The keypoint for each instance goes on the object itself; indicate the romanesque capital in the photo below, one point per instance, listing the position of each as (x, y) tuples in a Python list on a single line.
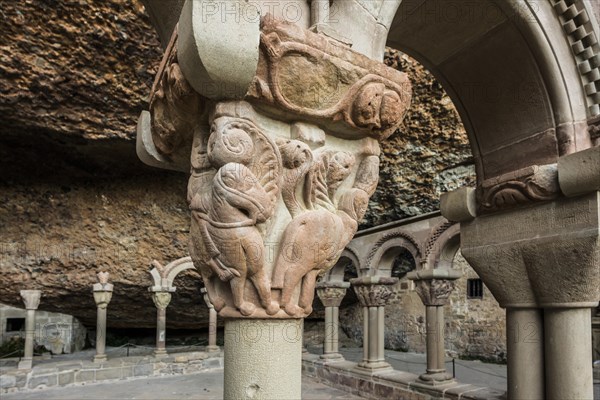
[(102, 298), (331, 294), (161, 299), (31, 298), (434, 286), (374, 291), (103, 285), (280, 178)]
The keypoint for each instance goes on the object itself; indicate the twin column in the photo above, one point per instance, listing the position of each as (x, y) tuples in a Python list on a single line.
[(374, 293), (331, 295), (434, 287)]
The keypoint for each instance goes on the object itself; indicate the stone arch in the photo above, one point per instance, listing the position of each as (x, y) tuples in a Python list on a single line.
[(337, 273), (508, 67), (386, 249), (163, 276), (442, 245)]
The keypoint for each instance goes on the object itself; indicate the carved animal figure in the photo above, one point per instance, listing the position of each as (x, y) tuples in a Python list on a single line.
[(318, 233), (225, 240)]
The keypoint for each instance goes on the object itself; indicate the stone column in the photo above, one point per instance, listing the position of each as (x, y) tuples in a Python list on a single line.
[(525, 349), (533, 237), (161, 299), (102, 296), (212, 324), (31, 298), (331, 295), (374, 293), (283, 125), (434, 287)]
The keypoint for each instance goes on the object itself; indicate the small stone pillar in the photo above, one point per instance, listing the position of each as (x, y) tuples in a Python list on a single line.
[(31, 298), (434, 287), (331, 295), (374, 293), (212, 324), (102, 295), (161, 299)]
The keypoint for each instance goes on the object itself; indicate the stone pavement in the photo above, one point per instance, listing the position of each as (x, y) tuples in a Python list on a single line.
[(201, 386)]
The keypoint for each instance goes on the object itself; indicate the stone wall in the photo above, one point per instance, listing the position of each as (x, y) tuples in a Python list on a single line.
[(475, 328), (58, 333)]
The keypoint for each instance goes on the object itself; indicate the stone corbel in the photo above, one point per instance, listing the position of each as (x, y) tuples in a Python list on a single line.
[(579, 173)]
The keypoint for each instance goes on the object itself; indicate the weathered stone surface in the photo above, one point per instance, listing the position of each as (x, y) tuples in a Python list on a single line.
[(67, 152)]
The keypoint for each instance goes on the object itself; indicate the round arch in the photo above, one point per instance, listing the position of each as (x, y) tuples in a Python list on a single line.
[(337, 273), (385, 250), (510, 69), (444, 248)]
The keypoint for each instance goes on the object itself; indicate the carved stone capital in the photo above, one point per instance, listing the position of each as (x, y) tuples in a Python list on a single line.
[(434, 286), (31, 298), (161, 299), (280, 179), (374, 291), (102, 297), (331, 294)]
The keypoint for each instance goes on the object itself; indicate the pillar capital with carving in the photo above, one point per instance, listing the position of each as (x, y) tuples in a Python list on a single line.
[(331, 294), (31, 298), (434, 286), (280, 176), (374, 291), (102, 290), (161, 299)]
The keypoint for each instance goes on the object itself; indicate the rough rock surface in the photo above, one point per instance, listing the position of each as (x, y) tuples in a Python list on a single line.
[(74, 199)]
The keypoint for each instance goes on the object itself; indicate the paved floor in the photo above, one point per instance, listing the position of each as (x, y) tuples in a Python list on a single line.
[(201, 386)]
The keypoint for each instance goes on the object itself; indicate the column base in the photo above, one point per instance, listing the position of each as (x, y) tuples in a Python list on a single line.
[(212, 349), (436, 378), (370, 368), (160, 353), (25, 363), (331, 357), (100, 358)]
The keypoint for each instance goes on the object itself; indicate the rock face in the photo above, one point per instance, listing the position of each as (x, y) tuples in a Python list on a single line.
[(74, 197)]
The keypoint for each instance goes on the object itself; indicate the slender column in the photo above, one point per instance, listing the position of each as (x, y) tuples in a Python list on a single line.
[(102, 296), (31, 298), (525, 349), (331, 295), (161, 300), (212, 324), (434, 287), (259, 358), (374, 293), (319, 12), (568, 361)]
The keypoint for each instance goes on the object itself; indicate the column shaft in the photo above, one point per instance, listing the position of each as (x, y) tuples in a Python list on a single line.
[(431, 337), (320, 12), (100, 334), (568, 344), (161, 331), (212, 328), (328, 342), (365, 334), (373, 326), (335, 311), (441, 346), (525, 348), (29, 334), (381, 333), (263, 359)]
